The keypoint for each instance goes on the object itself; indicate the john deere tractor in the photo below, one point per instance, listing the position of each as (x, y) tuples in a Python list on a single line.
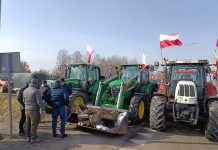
[(186, 96), (122, 98), (84, 80)]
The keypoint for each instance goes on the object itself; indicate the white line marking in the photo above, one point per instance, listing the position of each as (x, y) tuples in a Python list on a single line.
[(146, 135), (139, 142)]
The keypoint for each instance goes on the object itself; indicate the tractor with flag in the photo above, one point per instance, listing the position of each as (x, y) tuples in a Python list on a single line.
[(186, 96), (119, 99)]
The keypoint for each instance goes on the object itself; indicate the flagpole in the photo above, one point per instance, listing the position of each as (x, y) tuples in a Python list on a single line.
[(161, 55)]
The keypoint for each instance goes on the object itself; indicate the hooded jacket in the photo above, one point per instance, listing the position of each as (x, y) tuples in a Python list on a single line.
[(58, 96), (32, 97)]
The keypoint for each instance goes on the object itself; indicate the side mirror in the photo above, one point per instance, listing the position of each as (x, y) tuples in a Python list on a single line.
[(151, 68), (156, 64), (208, 69), (102, 77)]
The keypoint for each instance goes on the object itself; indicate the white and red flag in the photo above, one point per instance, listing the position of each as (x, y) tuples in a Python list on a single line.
[(144, 61), (170, 40), (217, 42), (89, 53)]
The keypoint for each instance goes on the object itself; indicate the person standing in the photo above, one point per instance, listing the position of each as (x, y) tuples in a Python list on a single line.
[(22, 109), (68, 90), (45, 92), (59, 103), (33, 106)]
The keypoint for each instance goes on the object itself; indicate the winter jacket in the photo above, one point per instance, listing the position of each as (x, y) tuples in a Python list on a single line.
[(58, 96), (20, 95), (68, 90), (32, 97)]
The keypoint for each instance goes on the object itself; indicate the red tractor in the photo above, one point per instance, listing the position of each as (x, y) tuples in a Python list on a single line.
[(186, 96)]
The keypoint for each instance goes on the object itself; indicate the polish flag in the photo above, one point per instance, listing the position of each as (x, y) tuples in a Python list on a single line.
[(89, 53), (217, 42), (144, 59), (170, 40)]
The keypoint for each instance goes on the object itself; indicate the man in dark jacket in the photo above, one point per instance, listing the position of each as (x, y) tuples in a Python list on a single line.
[(33, 106), (22, 109), (59, 104), (45, 90), (67, 89)]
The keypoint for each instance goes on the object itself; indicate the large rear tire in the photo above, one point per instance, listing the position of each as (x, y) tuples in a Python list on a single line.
[(137, 109), (211, 131), (157, 116)]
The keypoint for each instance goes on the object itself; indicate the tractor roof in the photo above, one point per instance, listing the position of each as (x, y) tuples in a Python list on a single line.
[(85, 64), (197, 62), (132, 65)]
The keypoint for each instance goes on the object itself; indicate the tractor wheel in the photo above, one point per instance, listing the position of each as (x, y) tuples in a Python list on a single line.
[(157, 117), (78, 98), (137, 109), (211, 131)]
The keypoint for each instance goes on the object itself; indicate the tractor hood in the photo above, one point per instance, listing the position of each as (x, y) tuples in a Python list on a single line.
[(117, 82), (75, 83)]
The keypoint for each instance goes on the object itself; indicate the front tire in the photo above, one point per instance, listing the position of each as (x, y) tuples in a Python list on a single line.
[(211, 131), (77, 98), (157, 116), (137, 109)]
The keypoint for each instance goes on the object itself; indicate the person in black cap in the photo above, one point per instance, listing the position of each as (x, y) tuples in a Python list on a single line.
[(59, 103), (45, 92)]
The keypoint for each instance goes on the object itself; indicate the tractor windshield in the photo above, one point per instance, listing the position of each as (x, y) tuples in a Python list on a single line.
[(78, 72), (129, 72), (189, 72)]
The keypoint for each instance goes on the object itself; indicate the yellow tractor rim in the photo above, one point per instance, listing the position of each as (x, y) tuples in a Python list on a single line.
[(78, 101), (141, 109)]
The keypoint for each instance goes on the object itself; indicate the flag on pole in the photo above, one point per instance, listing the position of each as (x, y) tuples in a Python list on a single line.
[(89, 53), (170, 40), (144, 59), (217, 42)]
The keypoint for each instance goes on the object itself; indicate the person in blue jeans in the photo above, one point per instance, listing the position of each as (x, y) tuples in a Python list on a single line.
[(59, 103), (68, 90)]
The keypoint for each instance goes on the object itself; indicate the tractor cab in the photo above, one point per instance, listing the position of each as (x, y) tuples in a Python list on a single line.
[(82, 76), (193, 71)]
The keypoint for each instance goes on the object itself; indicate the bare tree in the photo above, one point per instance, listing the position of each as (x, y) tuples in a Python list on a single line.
[(76, 57)]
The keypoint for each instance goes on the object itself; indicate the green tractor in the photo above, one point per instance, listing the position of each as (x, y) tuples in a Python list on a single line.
[(119, 99), (84, 80)]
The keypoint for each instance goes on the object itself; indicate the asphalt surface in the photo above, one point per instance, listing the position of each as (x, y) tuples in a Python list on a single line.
[(177, 136)]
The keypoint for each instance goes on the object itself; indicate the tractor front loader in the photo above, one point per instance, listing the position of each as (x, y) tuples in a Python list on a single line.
[(118, 100)]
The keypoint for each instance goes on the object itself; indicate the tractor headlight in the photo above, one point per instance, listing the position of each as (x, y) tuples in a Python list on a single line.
[(179, 99), (192, 100)]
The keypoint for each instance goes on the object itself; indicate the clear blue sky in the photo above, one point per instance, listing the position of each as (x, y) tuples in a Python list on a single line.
[(39, 28)]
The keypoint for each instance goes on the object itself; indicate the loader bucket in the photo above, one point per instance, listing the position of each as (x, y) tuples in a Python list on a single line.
[(104, 119)]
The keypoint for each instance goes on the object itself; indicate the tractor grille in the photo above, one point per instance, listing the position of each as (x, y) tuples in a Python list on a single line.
[(186, 90)]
